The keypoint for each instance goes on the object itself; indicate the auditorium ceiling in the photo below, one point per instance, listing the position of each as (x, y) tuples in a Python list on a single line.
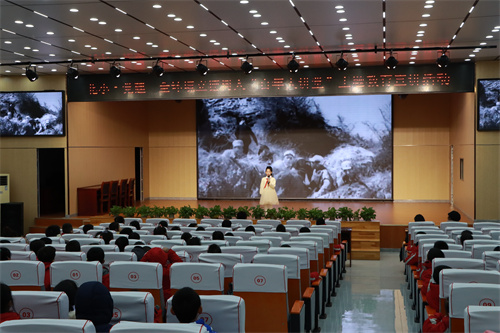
[(135, 34)]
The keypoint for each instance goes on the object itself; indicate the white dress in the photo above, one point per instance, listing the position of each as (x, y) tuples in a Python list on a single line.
[(267, 192)]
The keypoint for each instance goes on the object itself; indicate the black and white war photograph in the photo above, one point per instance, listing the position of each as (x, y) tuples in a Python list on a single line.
[(488, 96), (31, 113), (332, 147)]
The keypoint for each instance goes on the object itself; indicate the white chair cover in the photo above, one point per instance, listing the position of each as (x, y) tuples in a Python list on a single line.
[(481, 318), (248, 252), (110, 257), (133, 327), (135, 275), (272, 223), (226, 313), (263, 245), (449, 276), (491, 259), (464, 294), (466, 263), (301, 252), (22, 273), (77, 271), (47, 326), (133, 305), (457, 254), (104, 247), (41, 304), (228, 260), (199, 276), (300, 223), (264, 278), (23, 255), (193, 250), (65, 256), (292, 262)]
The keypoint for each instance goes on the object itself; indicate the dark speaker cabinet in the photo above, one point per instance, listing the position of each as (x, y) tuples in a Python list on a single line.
[(12, 219)]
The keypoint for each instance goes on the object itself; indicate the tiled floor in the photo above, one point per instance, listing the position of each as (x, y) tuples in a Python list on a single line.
[(372, 298)]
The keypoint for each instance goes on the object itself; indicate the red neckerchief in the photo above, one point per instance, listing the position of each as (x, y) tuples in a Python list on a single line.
[(267, 182)]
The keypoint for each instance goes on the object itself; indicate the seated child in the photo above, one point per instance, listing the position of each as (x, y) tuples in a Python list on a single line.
[(93, 302), (97, 254), (186, 306), (7, 304), (412, 252), (70, 288), (47, 254), (426, 273), (433, 289)]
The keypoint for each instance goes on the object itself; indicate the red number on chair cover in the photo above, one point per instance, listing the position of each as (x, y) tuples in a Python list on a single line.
[(196, 278), (207, 318), (75, 274), (260, 280), (117, 314), (15, 275), (133, 276), (26, 313), (486, 302)]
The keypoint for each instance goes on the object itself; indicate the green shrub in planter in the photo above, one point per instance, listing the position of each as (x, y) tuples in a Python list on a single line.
[(156, 211), (257, 212), (229, 212), (315, 213), (345, 213), (201, 212), (368, 214), (331, 213), (355, 215), (302, 214), (143, 211), (129, 211), (186, 212), (170, 212), (272, 214), (215, 212), (285, 213), (115, 210)]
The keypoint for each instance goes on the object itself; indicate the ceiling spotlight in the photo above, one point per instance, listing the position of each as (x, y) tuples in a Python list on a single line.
[(72, 72), (115, 71), (201, 68), (246, 67), (391, 62), (158, 70), (443, 61), (293, 66), (342, 63), (31, 73)]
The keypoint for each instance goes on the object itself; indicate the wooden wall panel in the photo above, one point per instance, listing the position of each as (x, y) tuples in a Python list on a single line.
[(422, 173), (173, 172), (487, 158), (92, 166), (462, 138)]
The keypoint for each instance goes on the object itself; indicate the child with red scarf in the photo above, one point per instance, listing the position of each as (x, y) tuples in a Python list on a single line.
[(7, 304)]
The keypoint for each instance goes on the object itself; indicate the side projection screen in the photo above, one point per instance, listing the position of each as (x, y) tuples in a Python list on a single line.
[(334, 147)]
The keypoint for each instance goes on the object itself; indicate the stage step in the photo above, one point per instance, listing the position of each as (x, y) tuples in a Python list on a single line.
[(365, 239), (366, 255)]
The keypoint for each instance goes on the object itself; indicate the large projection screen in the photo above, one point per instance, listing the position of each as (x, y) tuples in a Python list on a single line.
[(333, 147)]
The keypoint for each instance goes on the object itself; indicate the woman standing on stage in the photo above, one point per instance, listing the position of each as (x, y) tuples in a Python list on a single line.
[(268, 196)]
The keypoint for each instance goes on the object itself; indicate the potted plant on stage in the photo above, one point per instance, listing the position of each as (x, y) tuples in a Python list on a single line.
[(272, 214), (345, 213), (115, 210), (314, 214), (201, 212), (302, 214), (185, 212), (143, 211), (215, 212), (368, 214), (129, 211), (285, 213), (257, 212), (156, 211), (331, 213), (229, 212), (170, 212)]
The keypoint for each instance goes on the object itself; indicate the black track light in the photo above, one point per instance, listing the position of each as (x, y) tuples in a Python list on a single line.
[(31, 73), (115, 71), (293, 65), (246, 67), (342, 63), (72, 72), (443, 61), (391, 62), (158, 70), (201, 68)]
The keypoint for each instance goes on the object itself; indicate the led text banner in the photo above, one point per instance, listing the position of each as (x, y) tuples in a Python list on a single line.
[(311, 82)]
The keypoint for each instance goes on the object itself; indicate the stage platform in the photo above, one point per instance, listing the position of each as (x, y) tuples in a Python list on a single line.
[(393, 215)]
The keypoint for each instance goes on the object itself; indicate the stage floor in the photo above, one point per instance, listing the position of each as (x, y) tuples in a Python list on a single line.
[(388, 212)]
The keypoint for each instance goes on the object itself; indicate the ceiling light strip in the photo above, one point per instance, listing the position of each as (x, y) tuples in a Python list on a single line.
[(235, 31), (462, 23), (277, 54), (299, 14)]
